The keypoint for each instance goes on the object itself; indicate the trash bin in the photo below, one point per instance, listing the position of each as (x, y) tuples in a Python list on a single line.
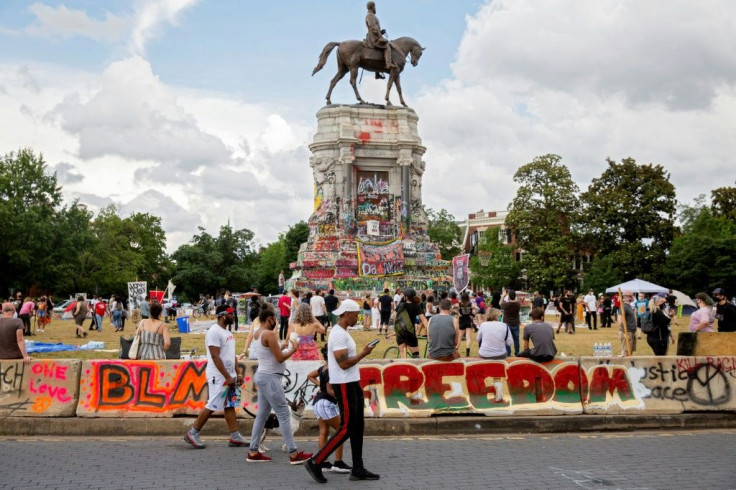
[(183, 323)]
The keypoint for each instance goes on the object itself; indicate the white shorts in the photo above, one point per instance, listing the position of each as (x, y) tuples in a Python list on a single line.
[(325, 410), (216, 400)]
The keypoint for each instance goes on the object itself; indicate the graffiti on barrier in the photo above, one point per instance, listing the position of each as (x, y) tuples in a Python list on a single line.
[(492, 387), (41, 388)]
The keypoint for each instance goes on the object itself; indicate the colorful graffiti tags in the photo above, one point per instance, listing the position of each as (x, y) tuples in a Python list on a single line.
[(372, 199), (42, 388), (415, 388), (151, 388), (493, 387), (380, 259)]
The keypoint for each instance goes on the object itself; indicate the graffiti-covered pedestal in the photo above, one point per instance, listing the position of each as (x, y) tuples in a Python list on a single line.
[(368, 229)]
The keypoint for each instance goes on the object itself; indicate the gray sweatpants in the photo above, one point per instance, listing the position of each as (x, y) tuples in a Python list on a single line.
[(271, 396)]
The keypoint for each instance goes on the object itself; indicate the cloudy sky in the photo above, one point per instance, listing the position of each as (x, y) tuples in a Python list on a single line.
[(200, 111)]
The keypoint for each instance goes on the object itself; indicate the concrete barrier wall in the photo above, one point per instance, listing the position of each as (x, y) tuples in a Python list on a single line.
[(415, 388), (43, 388), (669, 384)]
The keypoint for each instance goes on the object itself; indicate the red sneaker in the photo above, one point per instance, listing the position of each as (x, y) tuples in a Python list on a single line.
[(299, 458), (257, 458)]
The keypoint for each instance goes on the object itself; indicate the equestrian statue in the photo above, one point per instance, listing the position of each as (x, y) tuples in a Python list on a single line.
[(375, 54)]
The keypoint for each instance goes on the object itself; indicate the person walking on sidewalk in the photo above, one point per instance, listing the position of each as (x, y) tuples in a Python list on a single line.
[(342, 362), (271, 365), (221, 379)]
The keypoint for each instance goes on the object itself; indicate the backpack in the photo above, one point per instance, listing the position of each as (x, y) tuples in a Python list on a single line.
[(647, 326), (481, 306), (403, 323)]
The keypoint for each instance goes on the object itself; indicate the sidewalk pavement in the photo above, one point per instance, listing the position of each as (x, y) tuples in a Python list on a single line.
[(431, 426)]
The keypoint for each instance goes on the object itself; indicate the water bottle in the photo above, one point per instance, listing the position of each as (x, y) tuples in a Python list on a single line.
[(596, 350), (607, 350)]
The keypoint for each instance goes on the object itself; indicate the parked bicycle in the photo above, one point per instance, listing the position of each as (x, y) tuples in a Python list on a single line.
[(393, 352), (198, 311)]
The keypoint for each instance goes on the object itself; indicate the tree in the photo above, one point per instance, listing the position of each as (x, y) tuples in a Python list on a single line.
[(603, 273), (444, 231), (207, 264), (723, 202), (293, 238), (271, 260), (542, 216), (704, 256), (29, 198), (629, 216), (502, 269)]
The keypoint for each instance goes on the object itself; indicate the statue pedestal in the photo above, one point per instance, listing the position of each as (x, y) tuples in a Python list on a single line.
[(368, 229)]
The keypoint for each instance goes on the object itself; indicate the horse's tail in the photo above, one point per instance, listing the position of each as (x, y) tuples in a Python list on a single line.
[(323, 57)]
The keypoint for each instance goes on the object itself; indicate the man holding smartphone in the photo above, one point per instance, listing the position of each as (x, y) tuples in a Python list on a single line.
[(342, 361)]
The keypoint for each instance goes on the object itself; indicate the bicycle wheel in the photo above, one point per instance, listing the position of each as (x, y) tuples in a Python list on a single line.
[(392, 352)]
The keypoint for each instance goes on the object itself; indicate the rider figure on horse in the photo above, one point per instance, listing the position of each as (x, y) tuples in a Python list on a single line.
[(375, 39)]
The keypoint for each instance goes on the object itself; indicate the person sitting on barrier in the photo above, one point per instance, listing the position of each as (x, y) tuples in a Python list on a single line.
[(222, 380), (542, 335), (443, 334), (303, 330), (494, 337), (155, 337)]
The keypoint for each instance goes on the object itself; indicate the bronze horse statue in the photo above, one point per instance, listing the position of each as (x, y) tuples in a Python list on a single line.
[(352, 55)]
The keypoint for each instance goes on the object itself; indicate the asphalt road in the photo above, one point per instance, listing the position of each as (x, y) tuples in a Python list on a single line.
[(632, 460)]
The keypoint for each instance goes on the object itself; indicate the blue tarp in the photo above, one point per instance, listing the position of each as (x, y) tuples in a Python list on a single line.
[(34, 347)]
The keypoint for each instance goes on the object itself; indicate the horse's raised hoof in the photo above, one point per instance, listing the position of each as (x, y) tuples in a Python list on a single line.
[(329, 102)]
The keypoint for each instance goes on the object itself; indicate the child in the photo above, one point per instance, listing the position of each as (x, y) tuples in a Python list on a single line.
[(327, 413)]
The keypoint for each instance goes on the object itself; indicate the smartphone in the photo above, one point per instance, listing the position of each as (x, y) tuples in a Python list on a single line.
[(374, 343)]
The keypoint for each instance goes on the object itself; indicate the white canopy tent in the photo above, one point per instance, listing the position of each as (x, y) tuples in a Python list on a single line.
[(638, 286), (683, 299)]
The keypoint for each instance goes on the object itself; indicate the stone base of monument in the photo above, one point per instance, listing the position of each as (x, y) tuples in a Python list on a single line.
[(368, 229)]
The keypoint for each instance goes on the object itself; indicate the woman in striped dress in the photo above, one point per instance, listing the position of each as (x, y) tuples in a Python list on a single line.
[(155, 338)]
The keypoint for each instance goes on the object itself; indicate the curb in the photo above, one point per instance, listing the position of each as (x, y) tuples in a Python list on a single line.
[(431, 426)]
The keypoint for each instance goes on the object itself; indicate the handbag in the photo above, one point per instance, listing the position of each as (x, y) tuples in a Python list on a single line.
[(133, 351)]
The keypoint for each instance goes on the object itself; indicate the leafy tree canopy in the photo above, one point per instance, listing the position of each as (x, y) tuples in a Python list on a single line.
[(704, 256), (723, 202), (629, 216), (542, 216), (444, 231)]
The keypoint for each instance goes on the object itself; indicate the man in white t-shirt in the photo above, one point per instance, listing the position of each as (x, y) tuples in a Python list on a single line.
[(591, 309), (319, 310), (342, 364), (221, 377)]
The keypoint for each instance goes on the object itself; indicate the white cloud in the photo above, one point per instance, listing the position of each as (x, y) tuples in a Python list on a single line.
[(137, 117), (149, 16), (585, 80), (66, 23)]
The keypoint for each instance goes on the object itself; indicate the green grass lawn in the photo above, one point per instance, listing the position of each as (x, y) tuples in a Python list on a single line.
[(579, 344)]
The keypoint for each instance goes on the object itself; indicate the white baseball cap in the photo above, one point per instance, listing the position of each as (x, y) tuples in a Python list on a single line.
[(346, 306)]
